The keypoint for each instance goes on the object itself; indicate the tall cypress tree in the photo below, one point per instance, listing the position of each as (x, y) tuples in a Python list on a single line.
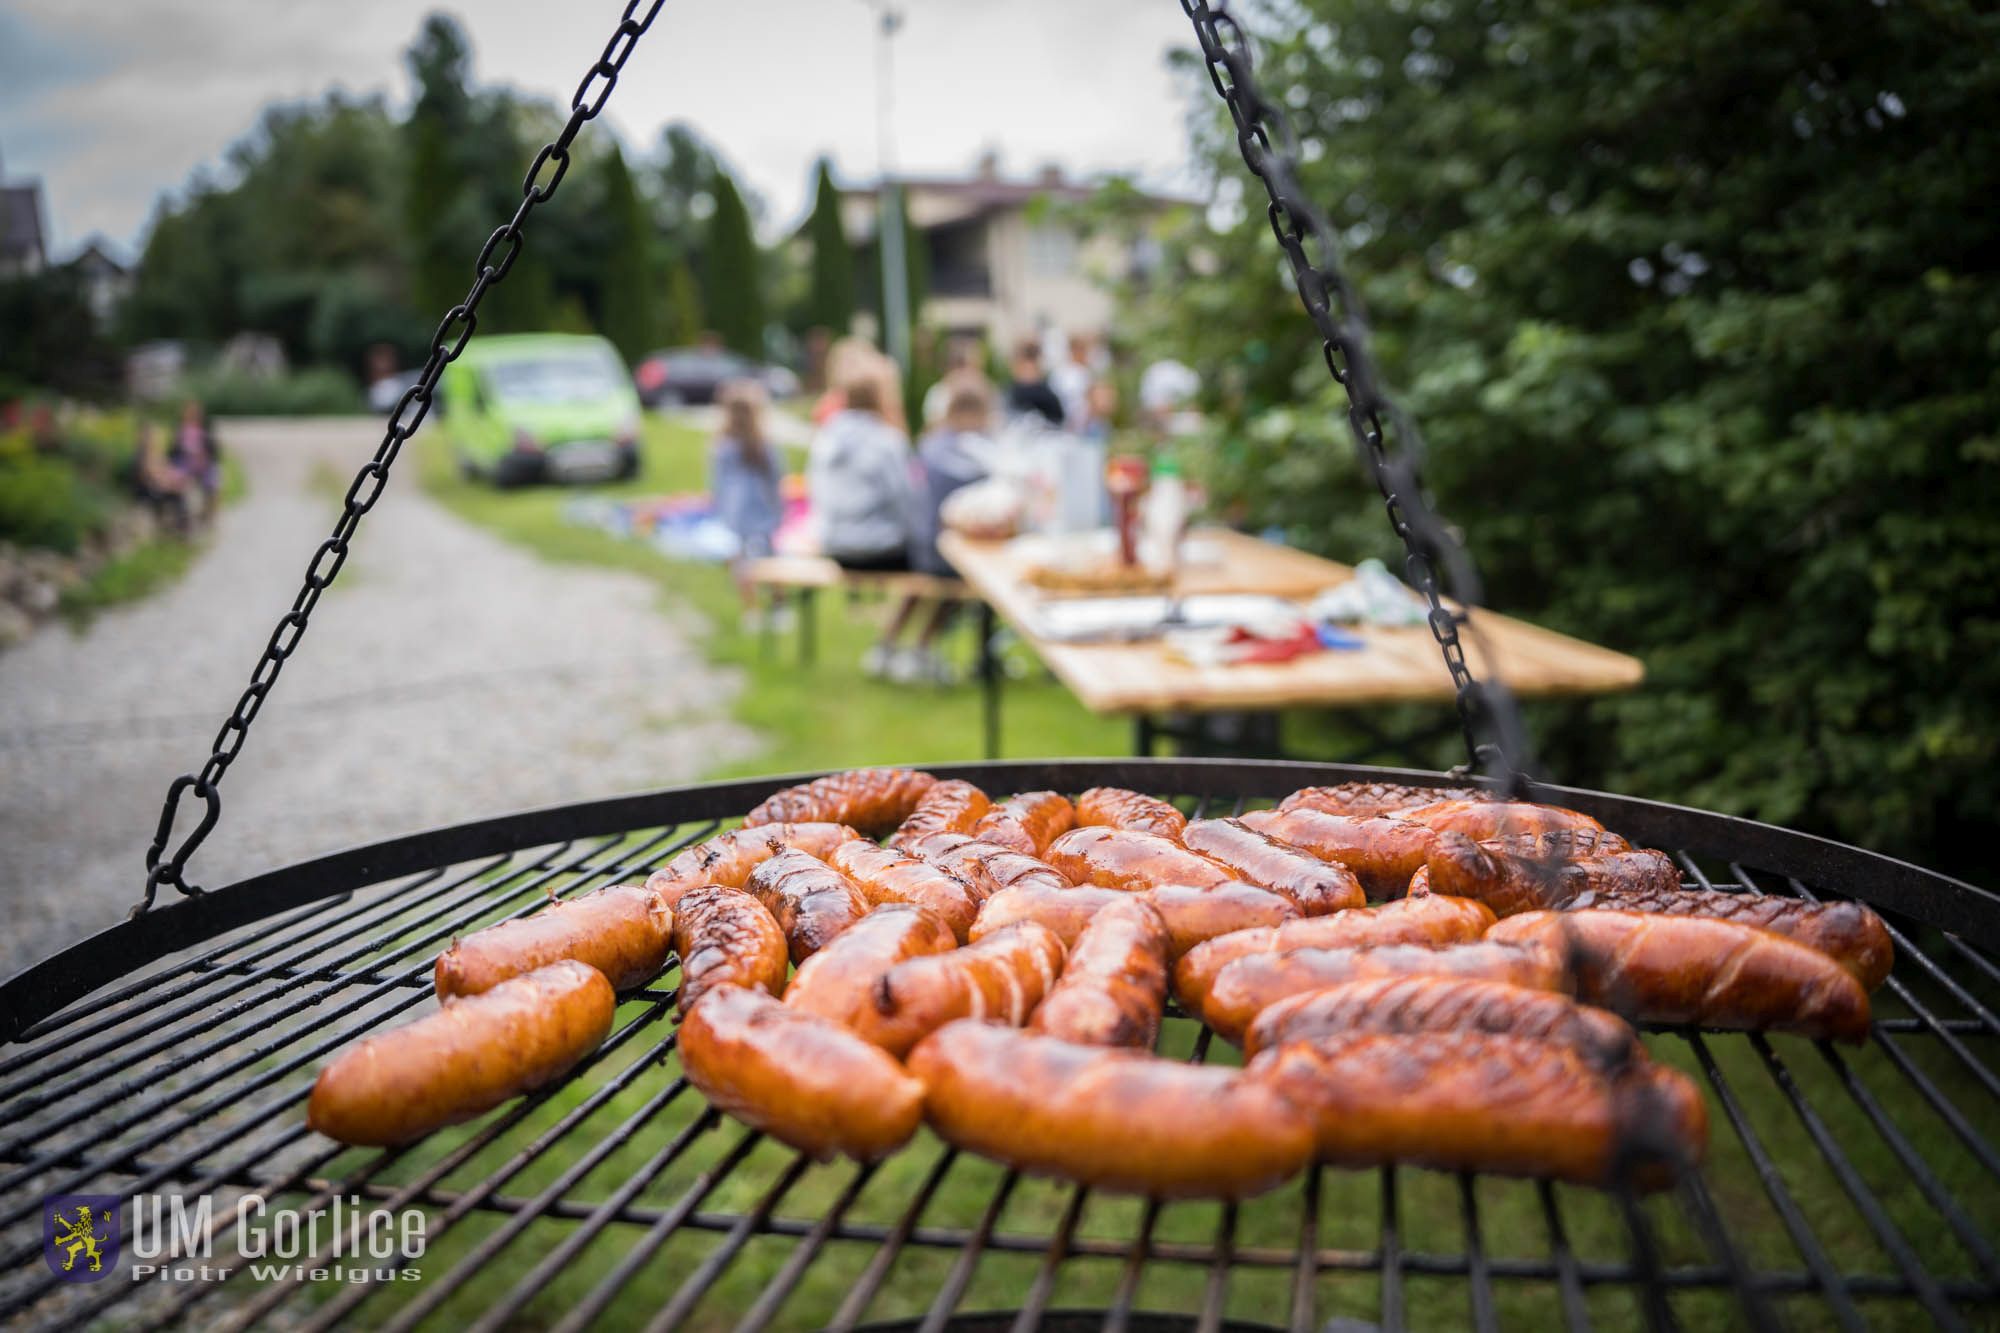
[(438, 184), (830, 300), (631, 295), (731, 290)]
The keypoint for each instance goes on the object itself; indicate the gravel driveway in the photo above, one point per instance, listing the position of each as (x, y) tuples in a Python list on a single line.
[(446, 676)]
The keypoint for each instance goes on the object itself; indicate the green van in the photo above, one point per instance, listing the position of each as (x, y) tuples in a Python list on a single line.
[(541, 407)]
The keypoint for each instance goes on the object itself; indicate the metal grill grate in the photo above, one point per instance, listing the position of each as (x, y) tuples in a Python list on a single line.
[(1846, 1187)]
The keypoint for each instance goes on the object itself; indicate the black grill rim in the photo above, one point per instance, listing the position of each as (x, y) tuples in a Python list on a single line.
[(46, 987)]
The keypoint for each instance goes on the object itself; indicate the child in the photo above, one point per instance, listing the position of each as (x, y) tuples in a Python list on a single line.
[(744, 476)]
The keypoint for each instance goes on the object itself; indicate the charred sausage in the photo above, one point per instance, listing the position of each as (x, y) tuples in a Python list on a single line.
[(804, 1081), (1316, 886), (873, 800), (1481, 820), (987, 866), (1382, 851), (948, 807), (1112, 1119), (1510, 882), (811, 900), (886, 875), (1003, 978), (729, 858), (1115, 858), (1028, 821), (474, 1053), (840, 980), (1359, 800), (1113, 988), (726, 937), (623, 931), (1848, 932), (1690, 969), (1116, 807)]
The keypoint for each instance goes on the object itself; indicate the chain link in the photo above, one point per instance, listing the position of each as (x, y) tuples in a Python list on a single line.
[(1495, 737), (452, 334)]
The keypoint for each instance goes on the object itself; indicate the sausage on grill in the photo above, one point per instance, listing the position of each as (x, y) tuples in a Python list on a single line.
[(1690, 969), (987, 866), (1250, 985), (873, 800), (1002, 978), (1116, 807), (1196, 915), (1115, 858), (474, 1053), (1479, 1101), (1027, 821), (840, 980), (623, 931), (886, 875), (1481, 820), (812, 901), (1317, 886), (951, 806), (725, 937), (1065, 911), (1381, 850), (1116, 1120), (799, 1078), (1358, 800), (1448, 1004), (1848, 932), (1542, 875), (1113, 987), (729, 858), (1433, 921)]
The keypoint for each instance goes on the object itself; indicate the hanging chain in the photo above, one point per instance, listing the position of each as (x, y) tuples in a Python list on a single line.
[(1495, 737), (496, 257)]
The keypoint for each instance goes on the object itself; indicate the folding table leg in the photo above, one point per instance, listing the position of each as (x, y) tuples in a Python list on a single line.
[(989, 679), (807, 599)]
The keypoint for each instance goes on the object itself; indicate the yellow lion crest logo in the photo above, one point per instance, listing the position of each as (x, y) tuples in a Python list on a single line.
[(78, 1236)]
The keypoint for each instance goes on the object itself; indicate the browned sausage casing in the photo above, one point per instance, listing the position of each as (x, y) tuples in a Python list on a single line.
[(840, 980), (1111, 1119), (1317, 886), (474, 1053), (1196, 915), (1250, 985), (1511, 882), (799, 1078), (1382, 851), (725, 937), (623, 931), (1848, 932), (1115, 858), (1434, 920), (987, 866), (1114, 985), (1477, 1101), (1002, 978), (1064, 911), (951, 806), (873, 800), (1027, 821), (729, 858), (1690, 969), (1358, 800), (886, 875), (1116, 807), (812, 901), (1448, 1004), (1481, 820)]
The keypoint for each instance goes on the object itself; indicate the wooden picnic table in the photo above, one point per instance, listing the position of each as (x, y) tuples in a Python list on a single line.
[(1399, 665)]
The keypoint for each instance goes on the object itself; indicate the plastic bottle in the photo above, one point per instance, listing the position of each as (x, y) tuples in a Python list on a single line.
[(1166, 513)]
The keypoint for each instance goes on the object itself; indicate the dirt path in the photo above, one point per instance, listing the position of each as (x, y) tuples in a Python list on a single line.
[(446, 676)]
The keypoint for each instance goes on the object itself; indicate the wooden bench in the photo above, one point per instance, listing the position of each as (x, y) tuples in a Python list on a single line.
[(803, 577)]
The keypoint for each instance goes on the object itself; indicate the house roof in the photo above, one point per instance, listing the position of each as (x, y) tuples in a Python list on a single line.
[(21, 221), (943, 201)]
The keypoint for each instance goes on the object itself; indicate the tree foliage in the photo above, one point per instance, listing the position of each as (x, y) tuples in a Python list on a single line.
[(632, 295), (830, 298), (732, 290), (1696, 304)]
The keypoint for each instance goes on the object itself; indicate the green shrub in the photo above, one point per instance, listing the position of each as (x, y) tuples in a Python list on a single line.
[(314, 391), (49, 502)]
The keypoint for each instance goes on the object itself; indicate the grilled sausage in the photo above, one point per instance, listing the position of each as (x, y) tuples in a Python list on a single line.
[(987, 866), (1116, 807), (1382, 851), (1448, 1004), (1510, 882), (1478, 1101), (1028, 821), (1848, 932), (948, 807), (1690, 969), (729, 858), (812, 901), (1112, 1119), (873, 800), (1114, 858), (726, 937), (804, 1081), (1114, 985), (1563, 844), (1434, 921), (840, 980), (622, 931), (1316, 886), (1066, 912), (1003, 977), (886, 875), (474, 1053), (1248, 986), (1481, 820), (1196, 915), (1359, 800)]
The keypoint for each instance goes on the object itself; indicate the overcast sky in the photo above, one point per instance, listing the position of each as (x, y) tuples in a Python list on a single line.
[(111, 104)]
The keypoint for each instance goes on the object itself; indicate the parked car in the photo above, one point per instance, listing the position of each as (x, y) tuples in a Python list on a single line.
[(541, 407), (691, 375)]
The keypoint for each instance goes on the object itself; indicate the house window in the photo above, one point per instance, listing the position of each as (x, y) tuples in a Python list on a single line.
[(1051, 251)]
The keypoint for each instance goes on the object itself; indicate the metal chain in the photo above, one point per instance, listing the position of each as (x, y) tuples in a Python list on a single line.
[(496, 257), (1495, 737)]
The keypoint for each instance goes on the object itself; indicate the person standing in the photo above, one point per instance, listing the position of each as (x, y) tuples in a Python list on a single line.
[(1072, 381), (1028, 393), (743, 475)]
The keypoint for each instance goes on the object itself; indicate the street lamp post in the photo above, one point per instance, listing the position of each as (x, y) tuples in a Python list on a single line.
[(889, 226)]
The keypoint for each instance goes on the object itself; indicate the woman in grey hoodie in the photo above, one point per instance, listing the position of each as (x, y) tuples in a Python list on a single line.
[(859, 478)]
